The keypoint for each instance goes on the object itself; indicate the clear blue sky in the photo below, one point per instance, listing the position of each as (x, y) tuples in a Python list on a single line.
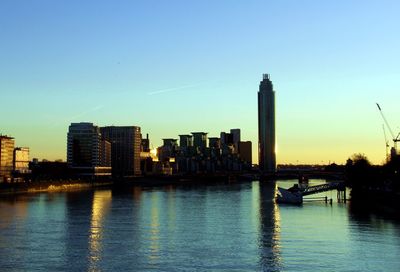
[(173, 67)]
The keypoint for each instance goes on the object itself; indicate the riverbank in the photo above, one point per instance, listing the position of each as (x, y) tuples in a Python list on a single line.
[(50, 186), (365, 195), (149, 181)]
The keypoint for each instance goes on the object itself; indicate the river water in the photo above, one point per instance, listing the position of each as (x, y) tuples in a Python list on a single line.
[(225, 227)]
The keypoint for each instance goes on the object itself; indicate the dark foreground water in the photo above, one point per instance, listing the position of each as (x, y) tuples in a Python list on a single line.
[(215, 228)]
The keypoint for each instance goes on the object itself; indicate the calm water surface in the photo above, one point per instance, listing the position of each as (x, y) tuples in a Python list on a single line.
[(217, 228)]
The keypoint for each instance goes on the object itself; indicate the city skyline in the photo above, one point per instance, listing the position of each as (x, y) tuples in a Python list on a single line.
[(131, 63)]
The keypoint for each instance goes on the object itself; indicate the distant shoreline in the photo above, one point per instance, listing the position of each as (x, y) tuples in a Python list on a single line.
[(50, 186), (63, 185)]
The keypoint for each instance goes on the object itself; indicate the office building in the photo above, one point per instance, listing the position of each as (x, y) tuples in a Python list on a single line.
[(86, 151), (126, 143), (21, 160), (266, 126), (6, 157), (105, 156)]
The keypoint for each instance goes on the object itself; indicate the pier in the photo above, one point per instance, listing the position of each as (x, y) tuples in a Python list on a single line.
[(295, 194)]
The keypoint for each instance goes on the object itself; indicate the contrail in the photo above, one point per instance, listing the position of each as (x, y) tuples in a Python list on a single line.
[(76, 116), (172, 89), (98, 107)]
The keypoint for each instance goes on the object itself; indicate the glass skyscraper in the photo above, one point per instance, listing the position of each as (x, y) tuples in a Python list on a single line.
[(266, 126)]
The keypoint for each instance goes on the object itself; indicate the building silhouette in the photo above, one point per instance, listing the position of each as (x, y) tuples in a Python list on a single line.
[(214, 142), (266, 126), (245, 152), (185, 141), (200, 140), (235, 138), (126, 142), (145, 144), (194, 156)]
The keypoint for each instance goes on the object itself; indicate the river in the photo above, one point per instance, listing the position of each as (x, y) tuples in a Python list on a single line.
[(224, 227)]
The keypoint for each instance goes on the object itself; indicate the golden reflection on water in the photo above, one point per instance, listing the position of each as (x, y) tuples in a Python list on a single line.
[(154, 229), (100, 208), (12, 212), (276, 233), (9, 211), (137, 194)]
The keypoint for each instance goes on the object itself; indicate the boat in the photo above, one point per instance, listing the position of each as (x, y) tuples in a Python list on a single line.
[(292, 195)]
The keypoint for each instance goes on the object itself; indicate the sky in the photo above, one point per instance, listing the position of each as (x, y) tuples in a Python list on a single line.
[(173, 67)]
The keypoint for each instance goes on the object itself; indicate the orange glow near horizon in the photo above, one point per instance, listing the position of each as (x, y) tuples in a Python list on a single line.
[(153, 154)]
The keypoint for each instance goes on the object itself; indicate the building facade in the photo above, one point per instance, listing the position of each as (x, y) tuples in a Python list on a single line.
[(86, 151), (105, 153), (6, 157), (194, 156), (266, 126), (126, 144), (21, 160)]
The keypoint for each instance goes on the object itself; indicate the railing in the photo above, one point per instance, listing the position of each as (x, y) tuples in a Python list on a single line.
[(322, 188)]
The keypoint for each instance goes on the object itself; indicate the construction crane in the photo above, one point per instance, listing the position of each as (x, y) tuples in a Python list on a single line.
[(386, 143), (395, 138)]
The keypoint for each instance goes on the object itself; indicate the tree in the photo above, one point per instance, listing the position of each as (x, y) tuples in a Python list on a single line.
[(359, 171)]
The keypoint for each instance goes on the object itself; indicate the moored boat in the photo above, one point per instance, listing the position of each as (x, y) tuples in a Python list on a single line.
[(292, 195)]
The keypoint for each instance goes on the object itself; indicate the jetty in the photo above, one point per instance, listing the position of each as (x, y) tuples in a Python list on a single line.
[(295, 194)]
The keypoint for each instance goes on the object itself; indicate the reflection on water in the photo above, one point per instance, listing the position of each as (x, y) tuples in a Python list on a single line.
[(171, 199), (224, 227), (154, 230), (14, 209), (255, 206), (270, 228), (137, 193), (100, 207)]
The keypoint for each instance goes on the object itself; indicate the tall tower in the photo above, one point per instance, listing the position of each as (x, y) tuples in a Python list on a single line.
[(266, 126)]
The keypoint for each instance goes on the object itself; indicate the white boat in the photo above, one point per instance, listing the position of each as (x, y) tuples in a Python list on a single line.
[(292, 196)]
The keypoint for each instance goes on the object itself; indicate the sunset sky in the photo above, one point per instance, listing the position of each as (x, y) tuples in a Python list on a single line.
[(173, 67)]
